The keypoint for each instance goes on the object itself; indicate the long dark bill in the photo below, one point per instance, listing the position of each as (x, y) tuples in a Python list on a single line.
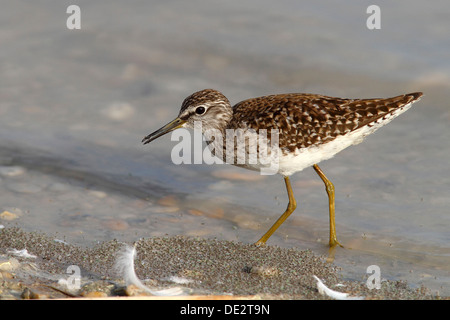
[(175, 124)]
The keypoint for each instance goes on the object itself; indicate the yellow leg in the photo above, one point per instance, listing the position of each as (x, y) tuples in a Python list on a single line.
[(290, 208), (329, 187)]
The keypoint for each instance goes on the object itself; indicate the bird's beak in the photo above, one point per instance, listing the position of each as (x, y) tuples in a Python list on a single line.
[(175, 124)]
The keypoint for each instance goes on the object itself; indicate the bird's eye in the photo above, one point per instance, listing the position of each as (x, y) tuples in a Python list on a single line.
[(200, 110)]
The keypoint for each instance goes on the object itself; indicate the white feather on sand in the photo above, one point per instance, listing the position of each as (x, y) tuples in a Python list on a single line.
[(125, 267), (324, 290)]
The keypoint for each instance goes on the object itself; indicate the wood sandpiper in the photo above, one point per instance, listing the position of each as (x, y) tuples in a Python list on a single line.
[(311, 128)]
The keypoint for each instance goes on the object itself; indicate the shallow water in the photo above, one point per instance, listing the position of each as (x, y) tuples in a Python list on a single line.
[(75, 104)]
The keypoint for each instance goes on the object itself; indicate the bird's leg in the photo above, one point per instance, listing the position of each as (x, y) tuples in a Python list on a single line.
[(329, 187), (290, 208)]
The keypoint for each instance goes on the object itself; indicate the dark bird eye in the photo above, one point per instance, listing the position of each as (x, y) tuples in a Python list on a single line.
[(200, 110)]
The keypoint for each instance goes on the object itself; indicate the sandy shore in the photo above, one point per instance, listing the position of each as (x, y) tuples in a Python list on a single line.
[(201, 268)]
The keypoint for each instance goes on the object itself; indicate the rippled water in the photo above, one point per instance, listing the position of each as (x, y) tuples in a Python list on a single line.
[(75, 104)]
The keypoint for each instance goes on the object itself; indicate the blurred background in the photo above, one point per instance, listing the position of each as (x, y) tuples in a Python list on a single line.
[(75, 104)]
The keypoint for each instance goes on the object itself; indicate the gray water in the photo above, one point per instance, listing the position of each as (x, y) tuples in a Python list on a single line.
[(75, 104)]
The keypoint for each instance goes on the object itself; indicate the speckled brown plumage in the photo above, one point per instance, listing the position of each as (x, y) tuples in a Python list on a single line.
[(310, 119), (302, 120)]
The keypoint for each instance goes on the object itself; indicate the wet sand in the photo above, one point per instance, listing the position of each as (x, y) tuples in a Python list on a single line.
[(204, 268)]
